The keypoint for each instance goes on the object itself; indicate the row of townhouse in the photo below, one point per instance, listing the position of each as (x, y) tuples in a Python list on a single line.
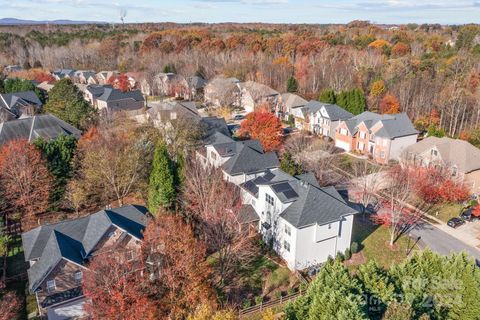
[(305, 223)]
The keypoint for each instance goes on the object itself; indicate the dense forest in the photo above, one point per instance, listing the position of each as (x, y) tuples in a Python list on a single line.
[(432, 72)]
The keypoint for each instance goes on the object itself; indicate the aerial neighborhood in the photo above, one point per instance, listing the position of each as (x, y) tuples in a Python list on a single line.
[(234, 171)]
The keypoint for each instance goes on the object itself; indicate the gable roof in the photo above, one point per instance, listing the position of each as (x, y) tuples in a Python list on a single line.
[(44, 126), (213, 127), (394, 125), (10, 100), (292, 101), (257, 90), (455, 152), (74, 240), (247, 157), (112, 94), (183, 108), (336, 112)]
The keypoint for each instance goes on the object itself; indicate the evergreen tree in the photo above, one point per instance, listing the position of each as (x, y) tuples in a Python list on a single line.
[(65, 101), (292, 84), (170, 68), (327, 96), (288, 165), (59, 153), (353, 101), (161, 189)]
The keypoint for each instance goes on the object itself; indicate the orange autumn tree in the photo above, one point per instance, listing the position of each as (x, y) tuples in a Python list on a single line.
[(178, 260), (115, 289), (120, 82), (389, 104), (25, 182), (265, 127)]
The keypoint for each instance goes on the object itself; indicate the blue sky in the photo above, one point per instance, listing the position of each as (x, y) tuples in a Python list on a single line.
[(275, 11)]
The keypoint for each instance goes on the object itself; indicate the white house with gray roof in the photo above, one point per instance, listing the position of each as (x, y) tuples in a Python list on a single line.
[(324, 118), (305, 222), (58, 255), (239, 161)]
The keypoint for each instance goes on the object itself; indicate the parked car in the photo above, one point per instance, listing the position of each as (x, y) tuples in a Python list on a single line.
[(467, 215), (238, 117), (455, 222)]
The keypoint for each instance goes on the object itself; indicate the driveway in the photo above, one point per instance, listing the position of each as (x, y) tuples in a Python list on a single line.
[(440, 241)]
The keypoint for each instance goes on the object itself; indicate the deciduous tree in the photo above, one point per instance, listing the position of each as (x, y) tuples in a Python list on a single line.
[(389, 104), (10, 304), (265, 127)]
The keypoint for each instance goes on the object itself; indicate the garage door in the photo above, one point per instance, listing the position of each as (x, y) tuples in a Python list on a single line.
[(67, 310), (342, 144)]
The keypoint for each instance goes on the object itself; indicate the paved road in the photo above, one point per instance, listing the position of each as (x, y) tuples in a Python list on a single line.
[(440, 241)]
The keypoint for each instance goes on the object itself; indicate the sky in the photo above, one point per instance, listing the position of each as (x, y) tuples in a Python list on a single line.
[(268, 11)]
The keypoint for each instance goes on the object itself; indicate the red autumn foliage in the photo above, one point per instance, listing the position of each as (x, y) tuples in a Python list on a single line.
[(435, 117), (403, 216), (116, 289), (400, 49), (434, 185), (42, 77), (264, 126), (184, 274), (24, 177), (120, 82), (389, 104), (476, 211), (10, 304)]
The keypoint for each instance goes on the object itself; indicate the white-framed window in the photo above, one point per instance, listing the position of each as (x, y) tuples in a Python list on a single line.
[(361, 146), (362, 135), (213, 155), (269, 199), (434, 152), (288, 230), (454, 171), (78, 277), (130, 255), (343, 132), (286, 245), (51, 285)]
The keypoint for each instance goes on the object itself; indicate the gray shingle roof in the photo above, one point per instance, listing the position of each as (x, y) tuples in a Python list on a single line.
[(292, 101), (74, 240), (247, 214), (453, 152), (249, 157), (394, 125), (182, 108), (11, 101), (336, 112), (44, 126), (214, 127), (111, 94)]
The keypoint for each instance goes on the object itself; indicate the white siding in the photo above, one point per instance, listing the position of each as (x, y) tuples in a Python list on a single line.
[(398, 145)]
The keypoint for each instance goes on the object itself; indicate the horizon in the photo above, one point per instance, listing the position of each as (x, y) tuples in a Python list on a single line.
[(248, 11)]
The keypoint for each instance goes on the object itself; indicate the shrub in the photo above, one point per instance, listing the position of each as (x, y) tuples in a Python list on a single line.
[(340, 257), (291, 291), (348, 254), (303, 286), (258, 299), (277, 294), (280, 277), (246, 303), (354, 247)]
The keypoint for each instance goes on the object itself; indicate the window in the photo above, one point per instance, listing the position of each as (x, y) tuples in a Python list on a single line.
[(360, 146), (343, 132), (253, 202), (362, 135), (434, 152), (269, 199), (213, 155), (382, 154), (454, 171), (129, 255), (287, 230), (51, 285), (78, 277), (286, 245), (329, 226)]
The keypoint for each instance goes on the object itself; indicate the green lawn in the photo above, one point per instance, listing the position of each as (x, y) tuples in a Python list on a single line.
[(446, 211), (374, 243)]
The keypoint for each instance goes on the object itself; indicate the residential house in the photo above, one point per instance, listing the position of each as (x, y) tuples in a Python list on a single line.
[(45, 87), (19, 104), (170, 85), (382, 137), (306, 223), (85, 77), (162, 112), (239, 161), (302, 115), (325, 120), (108, 99), (286, 103), (196, 87), (221, 92), (58, 255), (60, 74), (254, 94), (45, 126), (456, 158), (93, 91), (103, 76)]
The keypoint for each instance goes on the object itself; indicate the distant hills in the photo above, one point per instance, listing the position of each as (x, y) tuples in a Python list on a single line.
[(14, 21)]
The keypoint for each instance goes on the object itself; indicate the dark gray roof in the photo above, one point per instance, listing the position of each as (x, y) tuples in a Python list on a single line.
[(247, 214), (75, 239), (336, 112), (10, 101), (196, 82), (212, 126), (316, 206), (182, 108), (249, 157), (44, 126), (97, 90), (62, 73), (111, 94)]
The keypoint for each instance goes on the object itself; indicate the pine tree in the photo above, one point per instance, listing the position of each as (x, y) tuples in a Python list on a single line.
[(161, 189), (327, 96), (292, 84), (66, 102)]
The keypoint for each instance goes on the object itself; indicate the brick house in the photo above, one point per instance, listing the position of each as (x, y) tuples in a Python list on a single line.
[(59, 253), (382, 137)]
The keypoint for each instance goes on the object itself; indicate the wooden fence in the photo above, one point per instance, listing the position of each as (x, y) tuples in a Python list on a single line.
[(270, 304)]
